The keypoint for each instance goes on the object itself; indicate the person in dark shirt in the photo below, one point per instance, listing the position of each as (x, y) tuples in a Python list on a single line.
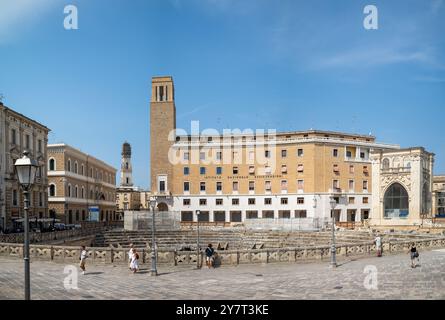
[(414, 254), (209, 256)]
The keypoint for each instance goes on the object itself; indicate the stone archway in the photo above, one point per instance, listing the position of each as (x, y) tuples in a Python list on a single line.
[(396, 202), (162, 207)]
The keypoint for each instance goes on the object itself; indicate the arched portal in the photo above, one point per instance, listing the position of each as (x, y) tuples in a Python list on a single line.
[(162, 207), (396, 202)]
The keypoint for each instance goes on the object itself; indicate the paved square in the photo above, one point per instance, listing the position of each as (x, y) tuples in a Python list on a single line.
[(396, 280)]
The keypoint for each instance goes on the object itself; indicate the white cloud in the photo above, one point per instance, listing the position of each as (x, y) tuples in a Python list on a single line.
[(366, 57), (18, 15)]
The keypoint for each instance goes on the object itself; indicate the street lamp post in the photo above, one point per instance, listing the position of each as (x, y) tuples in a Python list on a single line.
[(26, 171), (153, 271), (333, 204), (198, 212)]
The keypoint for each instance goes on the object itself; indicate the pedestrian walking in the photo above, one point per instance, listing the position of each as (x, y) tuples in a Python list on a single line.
[(378, 245), (134, 265), (414, 254), (82, 258), (209, 256), (130, 254)]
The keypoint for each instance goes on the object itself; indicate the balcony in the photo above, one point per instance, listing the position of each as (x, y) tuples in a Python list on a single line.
[(396, 170)]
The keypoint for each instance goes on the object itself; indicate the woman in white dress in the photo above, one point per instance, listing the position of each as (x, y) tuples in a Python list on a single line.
[(134, 265)]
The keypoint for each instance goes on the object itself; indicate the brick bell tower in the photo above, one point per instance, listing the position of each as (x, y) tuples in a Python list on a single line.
[(162, 122)]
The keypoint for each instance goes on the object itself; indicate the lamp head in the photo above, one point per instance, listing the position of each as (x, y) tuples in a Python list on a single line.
[(153, 201), (26, 170), (198, 212)]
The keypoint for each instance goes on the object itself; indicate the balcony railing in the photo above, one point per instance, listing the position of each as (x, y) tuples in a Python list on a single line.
[(396, 170)]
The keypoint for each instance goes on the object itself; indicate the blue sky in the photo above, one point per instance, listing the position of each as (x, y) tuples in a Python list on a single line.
[(285, 65)]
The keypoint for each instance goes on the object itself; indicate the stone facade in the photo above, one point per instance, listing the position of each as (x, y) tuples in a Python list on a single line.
[(245, 175), (18, 133), (79, 183), (145, 199), (402, 187), (439, 196)]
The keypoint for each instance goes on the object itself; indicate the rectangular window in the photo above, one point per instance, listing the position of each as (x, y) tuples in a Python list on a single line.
[(283, 168), (251, 185), (40, 199), (283, 153), (219, 202), (202, 170), (351, 184), (284, 201), (218, 155), (251, 214), (186, 186), (365, 170), (362, 155), (187, 216), (300, 153), (335, 153), (251, 170), (251, 155), (348, 154), (235, 202), (235, 155), (267, 201), (202, 186), (39, 145), (365, 185), (365, 200), (336, 169), (218, 170), (267, 153), (13, 136), (268, 214), (186, 171), (235, 186), (351, 169), (185, 202), (251, 201), (351, 200), (335, 184), (300, 168), (186, 155), (14, 198), (267, 170), (300, 200), (162, 186), (300, 184), (219, 186), (27, 141), (283, 185), (299, 214), (235, 170), (202, 202), (202, 156), (268, 186)]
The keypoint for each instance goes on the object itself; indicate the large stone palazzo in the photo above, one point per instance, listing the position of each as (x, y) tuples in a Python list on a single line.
[(402, 187)]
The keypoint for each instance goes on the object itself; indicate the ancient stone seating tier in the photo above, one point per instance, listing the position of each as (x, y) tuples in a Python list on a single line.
[(232, 239)]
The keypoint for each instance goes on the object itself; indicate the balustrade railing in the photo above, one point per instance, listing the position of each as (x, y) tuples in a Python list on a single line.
[(223, 257)]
